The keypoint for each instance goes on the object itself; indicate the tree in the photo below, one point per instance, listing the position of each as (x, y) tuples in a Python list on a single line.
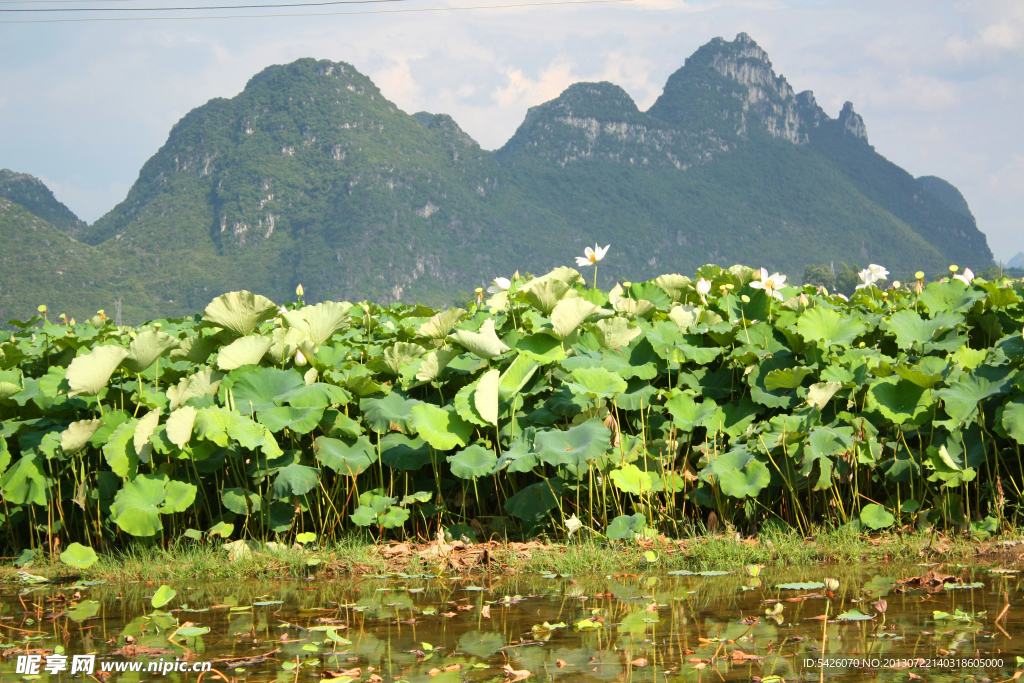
[(820, 276)]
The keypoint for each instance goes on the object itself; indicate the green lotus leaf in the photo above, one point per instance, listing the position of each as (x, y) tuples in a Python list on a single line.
[(481, 644), (949, 296), (854, 615), (136, 506), (316, 395), (533, 503), (465, 407), (222, 529), (829, 327), (687, 414), (394, 517), (441, 324), (516, 376), (899, 400), (518, 458), (88, 374), (484, 343), (800, 586), (442, 429), (298, 420), (626, 527), (541, 347), (544, 293), (401, 354), (632, 479), (473, 462), (195, 350), (596, 382), (243, 351), (902, 468), (206, 382), (163, 596), (348, 456), (909, 327), (263, 388), (180, 497), (918, 377), (284, 343), (401, 452), (295, 480), (737, 416), (391, 412), (239, 312), (485, 396), (11, 383), (145, 348), (5, 455), (568, 314), (786, 378), (675, 285), (241, 501), (961, 398), (320, 322), (575, 447), (434, 363), (876, 517), (614, 333), (765, 396), (86, 609), (743, 482), (821, 444), (637, 396), (363, 516), (179, 425), (818, 395), (947, 468), (80, 556), (192, 631), (77, 435), (25, 481), (143, 431), (418, 497), (119, 451), (1013, 420)]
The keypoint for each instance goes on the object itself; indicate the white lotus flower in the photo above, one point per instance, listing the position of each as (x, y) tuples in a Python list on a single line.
[(965, 277), (300, 359), (770, 283), (761, 274), (703, 287), (867, 278), (592, 256), (878, 271), (499, 284), (842, 296)]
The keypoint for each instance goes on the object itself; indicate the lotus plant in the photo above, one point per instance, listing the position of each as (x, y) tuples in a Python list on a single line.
[(966, 277), (592, 256)]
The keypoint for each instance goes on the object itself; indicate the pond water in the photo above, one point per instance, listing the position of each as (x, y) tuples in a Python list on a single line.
[(650, 627)]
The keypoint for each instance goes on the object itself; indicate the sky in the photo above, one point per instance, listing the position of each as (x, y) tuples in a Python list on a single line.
[(940, 85)]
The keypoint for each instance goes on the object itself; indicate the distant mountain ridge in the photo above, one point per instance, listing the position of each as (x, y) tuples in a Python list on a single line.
[(310, 175)]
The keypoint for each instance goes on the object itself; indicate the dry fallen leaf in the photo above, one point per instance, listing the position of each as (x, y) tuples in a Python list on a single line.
[(434, 671), (511, 675), (560, 663), (374, 678), (453, 667), (639, 661), (485, 612)]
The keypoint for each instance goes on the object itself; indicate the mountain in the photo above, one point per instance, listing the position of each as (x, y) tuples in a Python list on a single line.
[(1017, 261), (310, 175), (30, 193)]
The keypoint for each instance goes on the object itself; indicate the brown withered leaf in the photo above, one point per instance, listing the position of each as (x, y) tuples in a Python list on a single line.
[(511, 675)]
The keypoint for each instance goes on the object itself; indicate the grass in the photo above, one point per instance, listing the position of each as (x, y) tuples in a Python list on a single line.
[(356, 556)]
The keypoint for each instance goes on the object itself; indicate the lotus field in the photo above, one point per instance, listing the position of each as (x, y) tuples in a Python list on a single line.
[(546, 406)]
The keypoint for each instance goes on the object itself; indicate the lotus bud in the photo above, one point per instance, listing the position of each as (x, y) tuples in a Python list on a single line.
[(42, 308), (753, 569), (831, 584), (72, 322), (300, 359), (880, 606), (804, 300), (299, 291)]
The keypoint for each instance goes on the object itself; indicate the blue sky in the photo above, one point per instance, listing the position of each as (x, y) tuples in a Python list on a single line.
[(940, 84)]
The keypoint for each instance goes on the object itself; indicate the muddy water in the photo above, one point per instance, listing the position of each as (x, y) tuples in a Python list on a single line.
[(650, 627)]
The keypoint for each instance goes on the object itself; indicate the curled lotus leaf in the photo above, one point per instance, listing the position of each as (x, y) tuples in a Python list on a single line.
[(88, 374), (319, 322), (830, 327), (79, 556), (77, 435), (146, 348), (483, 343), (239, 312), (247, 350)]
